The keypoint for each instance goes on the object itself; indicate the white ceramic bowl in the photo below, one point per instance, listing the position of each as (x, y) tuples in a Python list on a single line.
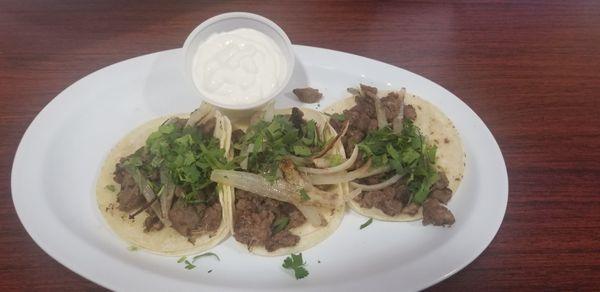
[(227, 22)]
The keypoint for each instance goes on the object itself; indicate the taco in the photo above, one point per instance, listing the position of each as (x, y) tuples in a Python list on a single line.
[(276, 208), (408, 156), (154, 189)]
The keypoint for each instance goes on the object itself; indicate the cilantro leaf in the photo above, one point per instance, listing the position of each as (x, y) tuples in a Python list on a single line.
[(303, 195), (111, 188), (181, 259), (188, 265), (280, 224), (301, 150), (295, 263), (409, 155), (367, 223)]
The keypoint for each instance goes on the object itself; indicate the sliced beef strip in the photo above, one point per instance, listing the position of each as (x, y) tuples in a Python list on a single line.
[(442, 182), (281, 239), (440, 190), (296, 118), (184, 217), (388, 200), (254, 216), (212, 218), (129, 197), (308, 94), (411, 209), (120, 171), (442, 195), (391, 104), (368, 89), (152, 223), (410, 112), (435, 213), (253, 228)]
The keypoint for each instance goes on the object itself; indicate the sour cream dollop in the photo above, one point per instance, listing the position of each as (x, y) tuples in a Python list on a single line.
[(241, 66)]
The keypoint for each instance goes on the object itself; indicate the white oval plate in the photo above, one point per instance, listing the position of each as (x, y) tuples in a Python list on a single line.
[(58, 160)]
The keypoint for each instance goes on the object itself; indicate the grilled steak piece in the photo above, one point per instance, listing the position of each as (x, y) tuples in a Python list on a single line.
[(184, 217), (129, 197), (254, 218), (308, 94), (434, 212)]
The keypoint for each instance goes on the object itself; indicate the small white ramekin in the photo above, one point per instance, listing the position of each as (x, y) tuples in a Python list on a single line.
[(227, 22)]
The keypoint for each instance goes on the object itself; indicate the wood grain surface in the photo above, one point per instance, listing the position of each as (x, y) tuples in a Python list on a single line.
[(530, 69)]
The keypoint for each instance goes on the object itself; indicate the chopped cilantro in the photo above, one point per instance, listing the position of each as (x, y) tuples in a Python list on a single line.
[(181, 259), (367, 223), (273, 141), (183, 156), (188, 265), (407, 153), (303, 195), (111, 188), (302, 150), (280, 224), (295, 263)]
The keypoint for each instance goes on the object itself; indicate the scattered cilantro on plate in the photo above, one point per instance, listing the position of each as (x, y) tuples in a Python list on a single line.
[(295, 263)]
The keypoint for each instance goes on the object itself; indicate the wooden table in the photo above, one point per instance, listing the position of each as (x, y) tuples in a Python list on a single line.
[(531, 71)]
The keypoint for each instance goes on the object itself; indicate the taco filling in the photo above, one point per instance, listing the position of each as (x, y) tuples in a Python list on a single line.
[(273, 197), (403, 176), (168, 179)]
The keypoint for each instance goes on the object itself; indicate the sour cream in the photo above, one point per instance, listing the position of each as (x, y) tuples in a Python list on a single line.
[(241, 66)]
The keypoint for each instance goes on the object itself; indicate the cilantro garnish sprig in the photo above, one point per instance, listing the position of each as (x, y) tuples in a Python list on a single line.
[(295, 263)]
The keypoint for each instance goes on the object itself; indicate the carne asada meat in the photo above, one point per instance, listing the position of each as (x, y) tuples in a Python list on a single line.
[(296, 118), (308, 94), (129, 197), (434, 212), (383, 200), (254, 218), (211, 218), (184, 217), (152, 223), (368, 90), (440, 190), (410, 112), (442, 195)]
